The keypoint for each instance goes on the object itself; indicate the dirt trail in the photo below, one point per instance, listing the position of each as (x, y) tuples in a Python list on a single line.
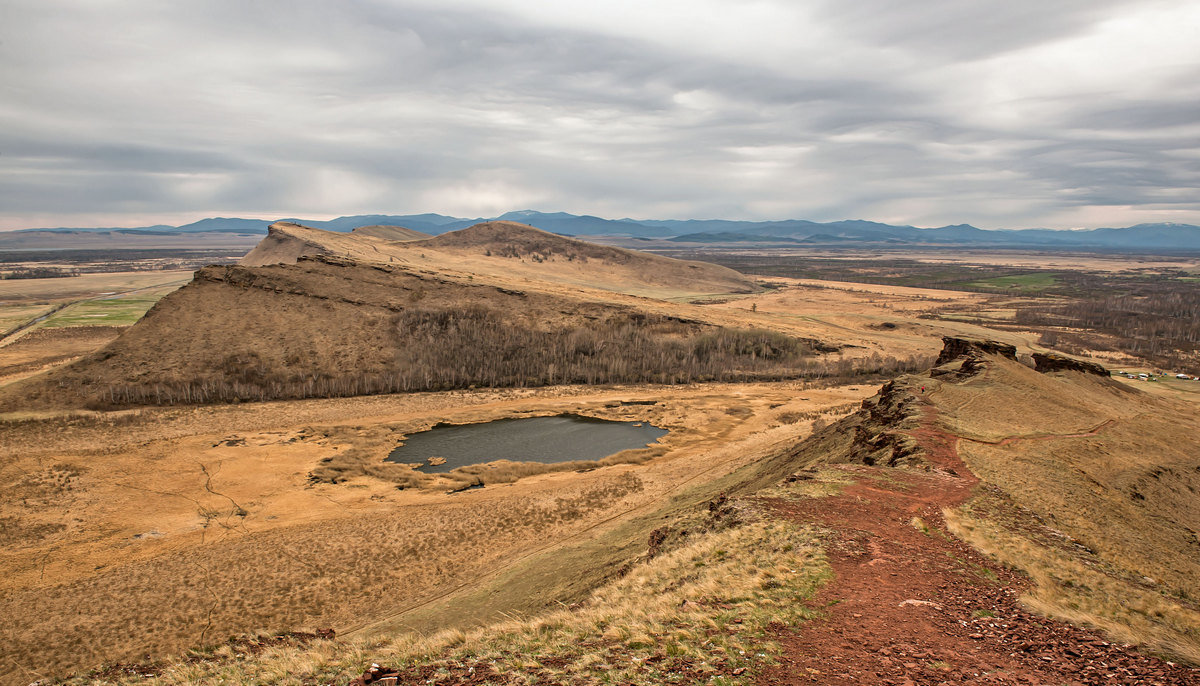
[(910, 604), (1009, 440)]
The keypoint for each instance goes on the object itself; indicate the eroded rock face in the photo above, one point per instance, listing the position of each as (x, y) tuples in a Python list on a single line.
[(1054, 362), (954, 347)]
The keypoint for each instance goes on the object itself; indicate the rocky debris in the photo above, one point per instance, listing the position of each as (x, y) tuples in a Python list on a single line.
[(383, 676), (719, 513), (461, 673), (655, 545), (1054, 362), (954, 347), (807, 474)]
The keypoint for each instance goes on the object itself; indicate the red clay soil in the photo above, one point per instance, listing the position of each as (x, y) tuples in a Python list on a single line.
[(912, 607)]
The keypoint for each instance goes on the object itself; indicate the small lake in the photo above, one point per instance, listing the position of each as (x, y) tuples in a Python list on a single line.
[(564, 438)]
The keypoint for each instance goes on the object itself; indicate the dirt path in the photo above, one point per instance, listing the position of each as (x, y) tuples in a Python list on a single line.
[(910, 604)]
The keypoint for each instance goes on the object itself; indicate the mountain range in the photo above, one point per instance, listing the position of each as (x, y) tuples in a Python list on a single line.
[(1157, 236)]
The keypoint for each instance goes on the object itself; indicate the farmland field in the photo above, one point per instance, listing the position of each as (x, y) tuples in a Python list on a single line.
[(122, 309)]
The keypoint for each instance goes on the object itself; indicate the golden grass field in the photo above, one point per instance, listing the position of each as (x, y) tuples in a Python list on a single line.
[(145, 532)]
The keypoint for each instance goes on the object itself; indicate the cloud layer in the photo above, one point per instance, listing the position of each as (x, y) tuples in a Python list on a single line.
[(1073, 113)]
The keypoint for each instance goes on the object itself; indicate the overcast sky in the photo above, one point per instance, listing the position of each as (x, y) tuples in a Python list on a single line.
[(1061, 113)]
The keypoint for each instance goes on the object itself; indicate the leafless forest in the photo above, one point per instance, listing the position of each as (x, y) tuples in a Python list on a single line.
[(445, 349)]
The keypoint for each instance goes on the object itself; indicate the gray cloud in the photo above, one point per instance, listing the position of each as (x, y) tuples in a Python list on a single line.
[(931, 115)]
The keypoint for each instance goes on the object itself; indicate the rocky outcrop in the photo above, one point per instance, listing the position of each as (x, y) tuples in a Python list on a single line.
[(954, 347), (1054, 362), (879, 436), (965, 357), (285, 243)]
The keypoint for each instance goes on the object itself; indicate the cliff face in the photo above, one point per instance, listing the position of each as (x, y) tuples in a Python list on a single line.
[(954, 347), (1054, 362), (965, 357)]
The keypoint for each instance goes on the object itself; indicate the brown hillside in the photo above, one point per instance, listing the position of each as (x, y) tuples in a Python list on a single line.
[(328, 326), (520, 246), (1091, 487), (506, 252), (390, 233)]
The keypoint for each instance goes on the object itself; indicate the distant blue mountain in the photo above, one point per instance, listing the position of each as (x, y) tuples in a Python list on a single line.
[(425, 223), (226, 225), (853, 232), (584, 225)]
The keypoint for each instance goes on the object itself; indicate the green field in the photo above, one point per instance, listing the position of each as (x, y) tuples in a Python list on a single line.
[(1024, 283), (118, 310)]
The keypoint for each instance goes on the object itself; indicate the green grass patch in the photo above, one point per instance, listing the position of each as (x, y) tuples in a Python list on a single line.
[(115, 311), (1023, 283)]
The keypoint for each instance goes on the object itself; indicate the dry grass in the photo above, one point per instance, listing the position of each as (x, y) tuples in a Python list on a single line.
[(147, 551), (89, 285), (1074, 585), (1094, 496), (327, 573), (698, 613)]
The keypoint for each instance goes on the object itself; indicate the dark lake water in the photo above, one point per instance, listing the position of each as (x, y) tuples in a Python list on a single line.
[(563, 438)]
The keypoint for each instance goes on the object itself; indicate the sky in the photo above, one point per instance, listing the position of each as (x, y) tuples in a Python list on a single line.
[(1063, 114)]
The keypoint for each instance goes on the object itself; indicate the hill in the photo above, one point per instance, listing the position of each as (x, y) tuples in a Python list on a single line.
[(510, 246), (508, 252), (329, 325)]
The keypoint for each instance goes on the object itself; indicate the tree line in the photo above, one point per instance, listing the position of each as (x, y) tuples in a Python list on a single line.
[(476, 346)]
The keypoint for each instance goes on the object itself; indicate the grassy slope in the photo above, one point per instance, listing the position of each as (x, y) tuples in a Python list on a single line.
[(1078, 539), (567, 574), (1095, 497)]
